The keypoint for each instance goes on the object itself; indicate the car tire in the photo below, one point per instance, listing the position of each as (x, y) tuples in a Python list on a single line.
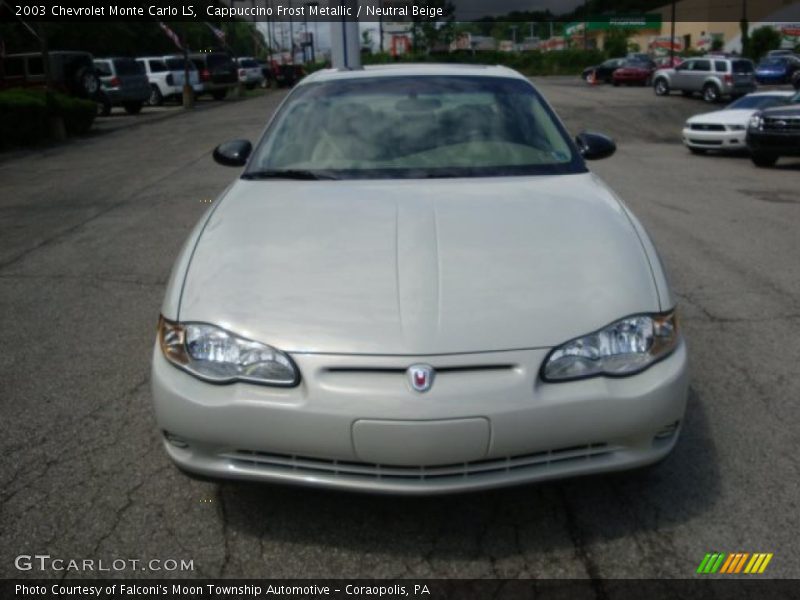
[(132, 108), (86, 84), (761, 159), (661, 87), (615, 83), (103, 105), (711, 93), (219, 94), (156, 99)]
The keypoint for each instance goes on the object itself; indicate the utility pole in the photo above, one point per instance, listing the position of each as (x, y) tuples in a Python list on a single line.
[(672, 37)]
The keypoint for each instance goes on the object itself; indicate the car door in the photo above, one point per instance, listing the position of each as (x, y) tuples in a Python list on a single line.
[(701, 69), (680, 79)]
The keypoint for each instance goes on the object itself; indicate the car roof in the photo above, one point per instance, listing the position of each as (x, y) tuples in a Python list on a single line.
[(413, 70)]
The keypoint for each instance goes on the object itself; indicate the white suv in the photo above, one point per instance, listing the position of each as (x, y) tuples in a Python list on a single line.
[(249, 72), (166, 76)]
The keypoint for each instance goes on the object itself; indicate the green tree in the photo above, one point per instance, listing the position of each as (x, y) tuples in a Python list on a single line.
[(616, 42), (763, 40)]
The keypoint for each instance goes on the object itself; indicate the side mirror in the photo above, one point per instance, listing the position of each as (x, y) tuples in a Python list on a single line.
[(594, 146), (234, 153)]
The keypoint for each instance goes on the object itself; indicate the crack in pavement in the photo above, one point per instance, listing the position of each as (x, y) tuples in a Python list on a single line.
[(580, 549)]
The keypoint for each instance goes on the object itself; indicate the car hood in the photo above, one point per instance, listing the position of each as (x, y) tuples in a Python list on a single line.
[(413, 267), (792, 111), (736, 116)]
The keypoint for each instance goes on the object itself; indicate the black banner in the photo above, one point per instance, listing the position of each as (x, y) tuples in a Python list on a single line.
[(419, 11), (433, 589)]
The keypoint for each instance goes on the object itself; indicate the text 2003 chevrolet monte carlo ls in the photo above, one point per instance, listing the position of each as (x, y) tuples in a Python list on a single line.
[(416, 286)]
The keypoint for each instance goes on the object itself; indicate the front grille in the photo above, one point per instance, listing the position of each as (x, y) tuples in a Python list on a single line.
[(339, 468), (707, 127), (706, 142), (781, 124)]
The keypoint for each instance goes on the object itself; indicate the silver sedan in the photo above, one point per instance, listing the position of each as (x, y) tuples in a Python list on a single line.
[(417, 286)]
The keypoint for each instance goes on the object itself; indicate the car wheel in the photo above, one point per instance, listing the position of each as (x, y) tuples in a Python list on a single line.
[(103, 105), (616, 83), (133, 108), (764, 160), (696, 150), (661, 87), (219, 94), (588, 77), (156, 99), (86, 82), (710, 93)]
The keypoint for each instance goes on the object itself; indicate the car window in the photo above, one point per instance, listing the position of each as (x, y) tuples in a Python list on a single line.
[(35, 65), (216, 61), (742, 66), (103, 68), (127, 66), (720, 66), (686, 66), (248, 63), (14, 66), (198, 62), (761, 101), (411, 127), (701, 65), (157, 66), (177, 64)]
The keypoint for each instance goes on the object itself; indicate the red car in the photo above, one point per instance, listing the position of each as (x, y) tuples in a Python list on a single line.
[(637, 72)]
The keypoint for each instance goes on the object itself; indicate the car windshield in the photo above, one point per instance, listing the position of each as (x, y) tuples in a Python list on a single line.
[(248, 63), (764, 101), (177, 64), (773, 62), (416, 127)]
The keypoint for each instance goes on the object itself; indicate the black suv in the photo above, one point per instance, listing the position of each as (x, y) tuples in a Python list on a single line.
[(72, 73), (775, 132), (218, 73)]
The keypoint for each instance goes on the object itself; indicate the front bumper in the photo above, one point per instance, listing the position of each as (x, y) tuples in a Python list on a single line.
[(353, 423), (715, 140), (775, 142)]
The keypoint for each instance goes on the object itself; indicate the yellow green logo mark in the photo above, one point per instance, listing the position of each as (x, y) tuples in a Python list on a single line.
[(734, 563)]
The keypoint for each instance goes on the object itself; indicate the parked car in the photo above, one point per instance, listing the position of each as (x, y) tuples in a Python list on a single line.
[(218, 74), (602, 72), (796, 80), (124, 83), (455, 342), (166, 75), (72, 73), (249, 72), (634, 71), (726, 130), (713, 77), (775, 132), (775, 70), (782, 52)]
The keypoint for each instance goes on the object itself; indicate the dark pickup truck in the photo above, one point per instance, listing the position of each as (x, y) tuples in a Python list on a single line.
[(775, 132)]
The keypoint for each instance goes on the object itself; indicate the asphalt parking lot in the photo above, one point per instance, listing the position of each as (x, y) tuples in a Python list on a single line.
[(88, 233)]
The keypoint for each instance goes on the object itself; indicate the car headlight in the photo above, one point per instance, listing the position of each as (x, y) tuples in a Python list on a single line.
[(218, 356), (623, 348), (755, 122)]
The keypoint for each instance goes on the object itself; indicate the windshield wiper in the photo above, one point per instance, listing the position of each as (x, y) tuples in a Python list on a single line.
[(301, 174)]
